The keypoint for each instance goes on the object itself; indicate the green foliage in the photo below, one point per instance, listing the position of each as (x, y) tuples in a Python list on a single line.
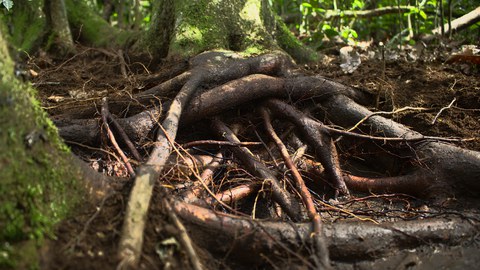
[(8, 4), (358, 5), (126, 14), (315, 23)]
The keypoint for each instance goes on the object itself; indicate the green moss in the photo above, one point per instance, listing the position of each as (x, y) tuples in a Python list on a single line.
[(93, 29), (207, 25), (200, 27), (251, 51), (247, 26), (293, 46), (38, 185)]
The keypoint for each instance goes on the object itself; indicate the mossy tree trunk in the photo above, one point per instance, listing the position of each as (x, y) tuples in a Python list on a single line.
[(58, 21), (39, 180), (91, 29), (186, 28)]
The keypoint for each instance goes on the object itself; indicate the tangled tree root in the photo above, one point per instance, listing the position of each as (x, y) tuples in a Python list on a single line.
[(220, 82)]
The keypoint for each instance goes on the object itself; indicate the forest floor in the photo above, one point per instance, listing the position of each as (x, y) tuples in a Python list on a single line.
[(89, 240)]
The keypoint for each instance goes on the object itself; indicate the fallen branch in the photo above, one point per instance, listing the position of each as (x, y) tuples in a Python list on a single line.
[(460, 23), (331, 14), (134, 223)]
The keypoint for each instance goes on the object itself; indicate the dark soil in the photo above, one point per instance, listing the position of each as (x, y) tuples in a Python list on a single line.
[(89, 240)]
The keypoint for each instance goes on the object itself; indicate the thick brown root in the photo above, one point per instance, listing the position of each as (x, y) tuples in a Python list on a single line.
[(346, 240)]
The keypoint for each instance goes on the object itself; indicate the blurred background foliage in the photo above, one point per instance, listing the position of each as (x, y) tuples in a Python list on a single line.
[(317, 22), (125, 14)]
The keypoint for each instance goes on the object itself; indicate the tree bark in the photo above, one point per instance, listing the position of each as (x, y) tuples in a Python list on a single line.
[(39, 183), (90, 28), (249, 26), (56, 13)]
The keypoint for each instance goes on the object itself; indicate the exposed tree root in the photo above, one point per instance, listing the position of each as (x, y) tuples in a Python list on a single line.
[(230, 176), (234, 194), (105, 114), (317, 137), (346, 240), (258, 169), (320, 242), (414, 183), (445, 163), (215, 101), (207, 68)]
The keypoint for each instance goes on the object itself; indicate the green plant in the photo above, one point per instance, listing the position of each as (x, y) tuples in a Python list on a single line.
[(400, 20), (8, 4)]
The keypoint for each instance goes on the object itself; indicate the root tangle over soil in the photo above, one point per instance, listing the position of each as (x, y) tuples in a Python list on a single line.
[(249, 154)]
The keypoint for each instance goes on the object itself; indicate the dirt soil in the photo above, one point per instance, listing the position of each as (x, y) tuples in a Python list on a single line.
[(89, 239)]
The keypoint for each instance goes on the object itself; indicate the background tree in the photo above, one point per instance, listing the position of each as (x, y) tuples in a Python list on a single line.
[(249, 26)]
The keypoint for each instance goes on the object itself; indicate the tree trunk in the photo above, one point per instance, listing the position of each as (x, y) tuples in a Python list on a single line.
[(90, 28), (186, 28), (58, 21), (39, 178)]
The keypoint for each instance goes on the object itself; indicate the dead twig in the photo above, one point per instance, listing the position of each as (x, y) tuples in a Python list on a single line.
[(320, 241), (442, 109), (407, 108), (220, 143), (125, 137), (112, 138), (185, 240)]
